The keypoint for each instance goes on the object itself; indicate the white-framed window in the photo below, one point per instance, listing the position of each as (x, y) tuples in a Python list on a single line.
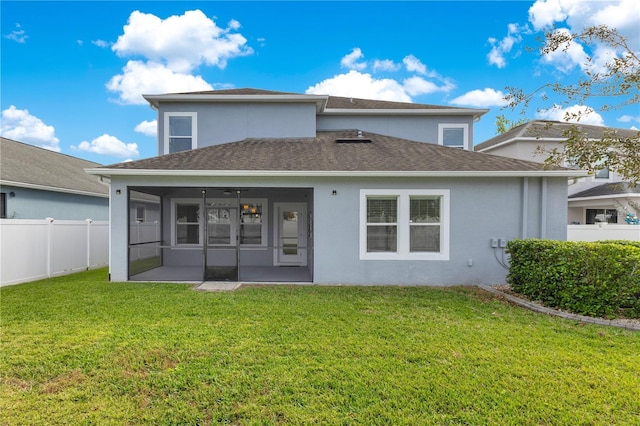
[(140, 213), (404, 224), (186, 221), (603, 173), (180, 131), (253, 222), (454, 135), (224, 220)]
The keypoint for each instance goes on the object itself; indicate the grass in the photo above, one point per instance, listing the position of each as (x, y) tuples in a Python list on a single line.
[(81, 350)]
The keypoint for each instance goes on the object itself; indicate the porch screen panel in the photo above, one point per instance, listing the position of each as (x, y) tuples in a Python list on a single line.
[(145, 233)]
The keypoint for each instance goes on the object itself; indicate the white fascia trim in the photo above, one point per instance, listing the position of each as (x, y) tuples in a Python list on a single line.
[(606, 197), (394, 111), (319, 100), (332, 173), (522, 139), (51, 188)]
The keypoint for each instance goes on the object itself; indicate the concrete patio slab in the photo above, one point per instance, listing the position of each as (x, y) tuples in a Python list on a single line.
[(218, 286)]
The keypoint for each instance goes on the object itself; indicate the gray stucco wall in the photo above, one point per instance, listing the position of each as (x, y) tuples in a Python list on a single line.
[(36, 204), (481, 209), (229, 122), (416, 128)]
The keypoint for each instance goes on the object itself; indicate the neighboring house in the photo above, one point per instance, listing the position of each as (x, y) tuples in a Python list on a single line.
[(268, 186), (602, 197), (37, 183)]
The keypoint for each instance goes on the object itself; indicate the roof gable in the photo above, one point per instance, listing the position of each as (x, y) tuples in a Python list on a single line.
[(26, 165), (325, 103), (608, 189), (541, 130)]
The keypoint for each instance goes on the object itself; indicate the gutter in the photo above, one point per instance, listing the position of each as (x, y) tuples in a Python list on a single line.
[(52, 189), (319, 100), (394, 111), (330, 173)]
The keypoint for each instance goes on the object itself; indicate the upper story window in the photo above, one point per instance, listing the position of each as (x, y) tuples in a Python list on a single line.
[(180, 131), (602, 173), (454, 135)]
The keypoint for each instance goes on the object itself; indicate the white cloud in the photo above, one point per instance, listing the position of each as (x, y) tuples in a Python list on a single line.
[(629, 119), (181, 43), (350, 60), (20, 125), (481, 98), (558, 113), (17, 35), (575, 15), (361, 85), (499, 49), (109, 145), (100, 43), (150, 78), (413, 64), (415, 86), (385, 65), (148, 128), (567, 59)]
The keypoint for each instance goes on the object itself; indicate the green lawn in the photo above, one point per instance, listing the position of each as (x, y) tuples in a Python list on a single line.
[(81, 350)]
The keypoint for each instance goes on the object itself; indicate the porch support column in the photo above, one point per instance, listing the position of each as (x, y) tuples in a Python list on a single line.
[(204, 236)]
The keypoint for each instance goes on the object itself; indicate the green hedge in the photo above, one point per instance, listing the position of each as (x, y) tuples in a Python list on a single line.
[(600, 279)]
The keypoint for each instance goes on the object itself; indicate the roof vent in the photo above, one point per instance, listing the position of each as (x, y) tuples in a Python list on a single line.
[(359, 139)]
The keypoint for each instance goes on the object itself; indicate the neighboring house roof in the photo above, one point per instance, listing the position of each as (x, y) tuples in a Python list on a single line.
[(332, 153), (325, 104), (28, 166), (549, 131), (608, 190)]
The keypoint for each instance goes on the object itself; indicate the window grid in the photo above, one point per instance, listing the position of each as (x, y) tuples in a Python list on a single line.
[(382, 224), (420, 224)]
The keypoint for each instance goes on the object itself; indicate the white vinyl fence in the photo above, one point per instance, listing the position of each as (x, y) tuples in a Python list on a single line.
[(603, 232), (36, 249)]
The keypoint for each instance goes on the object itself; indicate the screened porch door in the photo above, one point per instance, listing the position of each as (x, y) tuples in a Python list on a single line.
[(290, 234), (221, 259)]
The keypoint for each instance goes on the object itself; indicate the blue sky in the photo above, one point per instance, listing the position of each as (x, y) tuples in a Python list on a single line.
[(73, 72)]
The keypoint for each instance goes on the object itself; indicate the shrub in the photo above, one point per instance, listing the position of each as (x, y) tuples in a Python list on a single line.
[(596, 279)]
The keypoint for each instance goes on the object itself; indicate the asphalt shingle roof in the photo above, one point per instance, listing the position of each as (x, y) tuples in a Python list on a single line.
[(543, 129), (607, 189), (28, 164), (323, 153), (333, 102)]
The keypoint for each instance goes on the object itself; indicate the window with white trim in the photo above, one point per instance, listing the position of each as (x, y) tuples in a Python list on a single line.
[(187, 222), (454, 135), (180, 130), (224, 220), (404, 224)]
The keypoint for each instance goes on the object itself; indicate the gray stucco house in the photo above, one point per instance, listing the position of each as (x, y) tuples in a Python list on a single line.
[(268, 186), (36, 183), (602, 197)]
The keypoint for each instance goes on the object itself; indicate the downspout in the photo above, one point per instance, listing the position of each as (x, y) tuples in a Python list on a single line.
[(543, 209), (525, 205)]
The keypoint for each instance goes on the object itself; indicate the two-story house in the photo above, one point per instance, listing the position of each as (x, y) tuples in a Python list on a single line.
[(602, 197), (266, 186)]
